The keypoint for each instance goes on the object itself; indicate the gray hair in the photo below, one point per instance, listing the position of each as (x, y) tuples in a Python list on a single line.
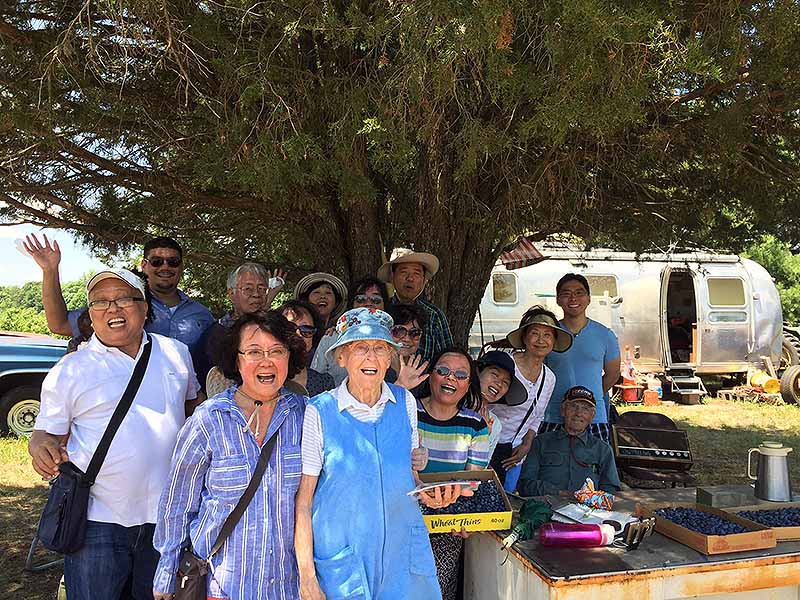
[(248, 267)]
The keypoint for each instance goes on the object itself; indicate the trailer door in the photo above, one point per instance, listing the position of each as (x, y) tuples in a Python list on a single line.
[(727, 335)]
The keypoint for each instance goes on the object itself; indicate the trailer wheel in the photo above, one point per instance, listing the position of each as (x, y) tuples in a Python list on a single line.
[(790, 385), (790, 351)]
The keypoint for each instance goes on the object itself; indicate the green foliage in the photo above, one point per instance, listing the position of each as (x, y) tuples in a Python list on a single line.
[(23, 319), (320, 135), (784, 266)]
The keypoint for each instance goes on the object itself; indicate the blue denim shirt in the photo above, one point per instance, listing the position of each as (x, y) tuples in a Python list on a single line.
[(186, 323), (213, 462)]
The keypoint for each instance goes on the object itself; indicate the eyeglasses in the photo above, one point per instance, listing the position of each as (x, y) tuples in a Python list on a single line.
[(459, 374), (157, 261), (306, 331), (575, 294), (256, 355), (379, 350), (253, 290), (124, 302), (401, 332), (364, 299)]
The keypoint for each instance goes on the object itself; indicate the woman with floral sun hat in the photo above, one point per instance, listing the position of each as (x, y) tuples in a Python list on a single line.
[(357, 532)]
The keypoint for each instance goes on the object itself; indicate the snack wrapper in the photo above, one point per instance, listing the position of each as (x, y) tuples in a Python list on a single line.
[(595, 498)]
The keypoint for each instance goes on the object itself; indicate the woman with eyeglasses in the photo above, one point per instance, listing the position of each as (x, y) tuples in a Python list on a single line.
[(367, 292), (457, 439), (215, 455), (308, 323), (358, 534)]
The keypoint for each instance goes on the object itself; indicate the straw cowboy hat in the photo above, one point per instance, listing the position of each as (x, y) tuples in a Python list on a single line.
[(403, 255)]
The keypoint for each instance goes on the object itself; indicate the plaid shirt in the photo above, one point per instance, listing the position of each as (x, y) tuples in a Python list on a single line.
[(437, 335), (211, 467)]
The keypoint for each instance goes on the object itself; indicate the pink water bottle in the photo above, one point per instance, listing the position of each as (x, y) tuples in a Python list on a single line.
[(576, 535)]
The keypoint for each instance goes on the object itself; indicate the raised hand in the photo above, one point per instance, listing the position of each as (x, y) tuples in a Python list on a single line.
[(412, 372), (47, 255), (273, 292)]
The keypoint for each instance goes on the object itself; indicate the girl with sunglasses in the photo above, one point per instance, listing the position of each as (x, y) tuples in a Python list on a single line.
[(308, 323), (457, 439), (408, 369)]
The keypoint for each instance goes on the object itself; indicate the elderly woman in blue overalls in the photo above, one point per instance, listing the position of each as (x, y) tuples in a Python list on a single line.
[(357, 532)]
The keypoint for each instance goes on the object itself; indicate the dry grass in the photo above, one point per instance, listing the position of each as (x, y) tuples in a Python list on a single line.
[(22, 496), (720, 433)]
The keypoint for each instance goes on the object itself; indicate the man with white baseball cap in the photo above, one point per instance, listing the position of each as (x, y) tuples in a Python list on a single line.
[(79, 396), (409, 272)]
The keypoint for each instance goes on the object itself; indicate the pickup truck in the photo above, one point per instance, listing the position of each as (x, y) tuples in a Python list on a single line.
[(25, 359)]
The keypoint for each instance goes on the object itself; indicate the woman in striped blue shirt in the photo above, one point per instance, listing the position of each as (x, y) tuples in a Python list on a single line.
[(215, 456), (457, 439)]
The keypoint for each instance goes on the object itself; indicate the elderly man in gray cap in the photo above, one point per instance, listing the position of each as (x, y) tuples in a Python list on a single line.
[(79, 397), (409, 272)]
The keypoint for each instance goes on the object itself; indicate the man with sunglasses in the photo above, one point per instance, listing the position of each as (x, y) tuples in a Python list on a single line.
[(174, 315)]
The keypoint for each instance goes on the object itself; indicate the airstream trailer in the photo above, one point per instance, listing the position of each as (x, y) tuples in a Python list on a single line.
[(688, 316)]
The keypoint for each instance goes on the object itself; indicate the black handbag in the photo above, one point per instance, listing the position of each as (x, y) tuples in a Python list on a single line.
[(192, 571), (62, 526)]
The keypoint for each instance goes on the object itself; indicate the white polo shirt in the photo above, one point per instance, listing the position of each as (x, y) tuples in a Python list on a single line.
[(79, 396)]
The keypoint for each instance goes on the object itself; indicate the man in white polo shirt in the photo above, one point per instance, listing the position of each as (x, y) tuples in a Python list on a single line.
[(78, 397)]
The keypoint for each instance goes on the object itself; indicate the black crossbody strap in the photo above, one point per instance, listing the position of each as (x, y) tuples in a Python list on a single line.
[(230, 523), (533, 406), (119, 412)]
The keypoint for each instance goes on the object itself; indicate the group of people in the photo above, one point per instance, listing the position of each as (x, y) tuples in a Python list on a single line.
[(353, 392)]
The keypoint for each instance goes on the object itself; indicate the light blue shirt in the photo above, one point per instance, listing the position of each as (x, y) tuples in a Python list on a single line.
[(582, 365)]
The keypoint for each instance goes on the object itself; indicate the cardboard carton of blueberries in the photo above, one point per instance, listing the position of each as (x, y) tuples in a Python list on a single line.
[(487, 510), (707, 529), (783, 518)]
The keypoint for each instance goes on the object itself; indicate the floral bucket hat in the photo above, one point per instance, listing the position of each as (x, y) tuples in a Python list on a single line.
[(361, 324)]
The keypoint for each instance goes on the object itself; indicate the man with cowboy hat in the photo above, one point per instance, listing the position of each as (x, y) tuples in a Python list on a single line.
[(560, 461), (409, 272)]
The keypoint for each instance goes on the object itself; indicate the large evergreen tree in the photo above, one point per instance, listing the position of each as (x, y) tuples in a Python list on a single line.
[(319, 135)]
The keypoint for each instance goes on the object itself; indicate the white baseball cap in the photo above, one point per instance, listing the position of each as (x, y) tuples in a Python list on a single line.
[(122, 274)]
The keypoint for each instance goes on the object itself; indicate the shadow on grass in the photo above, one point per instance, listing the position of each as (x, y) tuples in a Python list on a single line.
[(20, 508)]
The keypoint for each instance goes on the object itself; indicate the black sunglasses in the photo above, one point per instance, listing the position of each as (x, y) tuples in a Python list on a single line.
[(157, 261), (306, 331), (364, 299), (459, 374), (401, 332)]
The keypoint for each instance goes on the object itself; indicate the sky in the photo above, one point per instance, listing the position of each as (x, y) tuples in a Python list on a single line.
[(17, 268)]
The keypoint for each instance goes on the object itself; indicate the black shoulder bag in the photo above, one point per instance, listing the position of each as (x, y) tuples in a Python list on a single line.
[(532, 407), (192, 570), (62, 526)]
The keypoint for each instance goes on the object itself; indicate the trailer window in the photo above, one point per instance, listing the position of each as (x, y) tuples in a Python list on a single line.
[(732, 316), (601, 285), (725, 291), (504, 288)]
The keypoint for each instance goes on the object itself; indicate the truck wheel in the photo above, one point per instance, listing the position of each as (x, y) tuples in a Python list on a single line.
[(790, 385), (790, 351), (19, 408)]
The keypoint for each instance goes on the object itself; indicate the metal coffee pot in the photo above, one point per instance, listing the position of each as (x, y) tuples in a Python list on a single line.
[(772, 473)]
